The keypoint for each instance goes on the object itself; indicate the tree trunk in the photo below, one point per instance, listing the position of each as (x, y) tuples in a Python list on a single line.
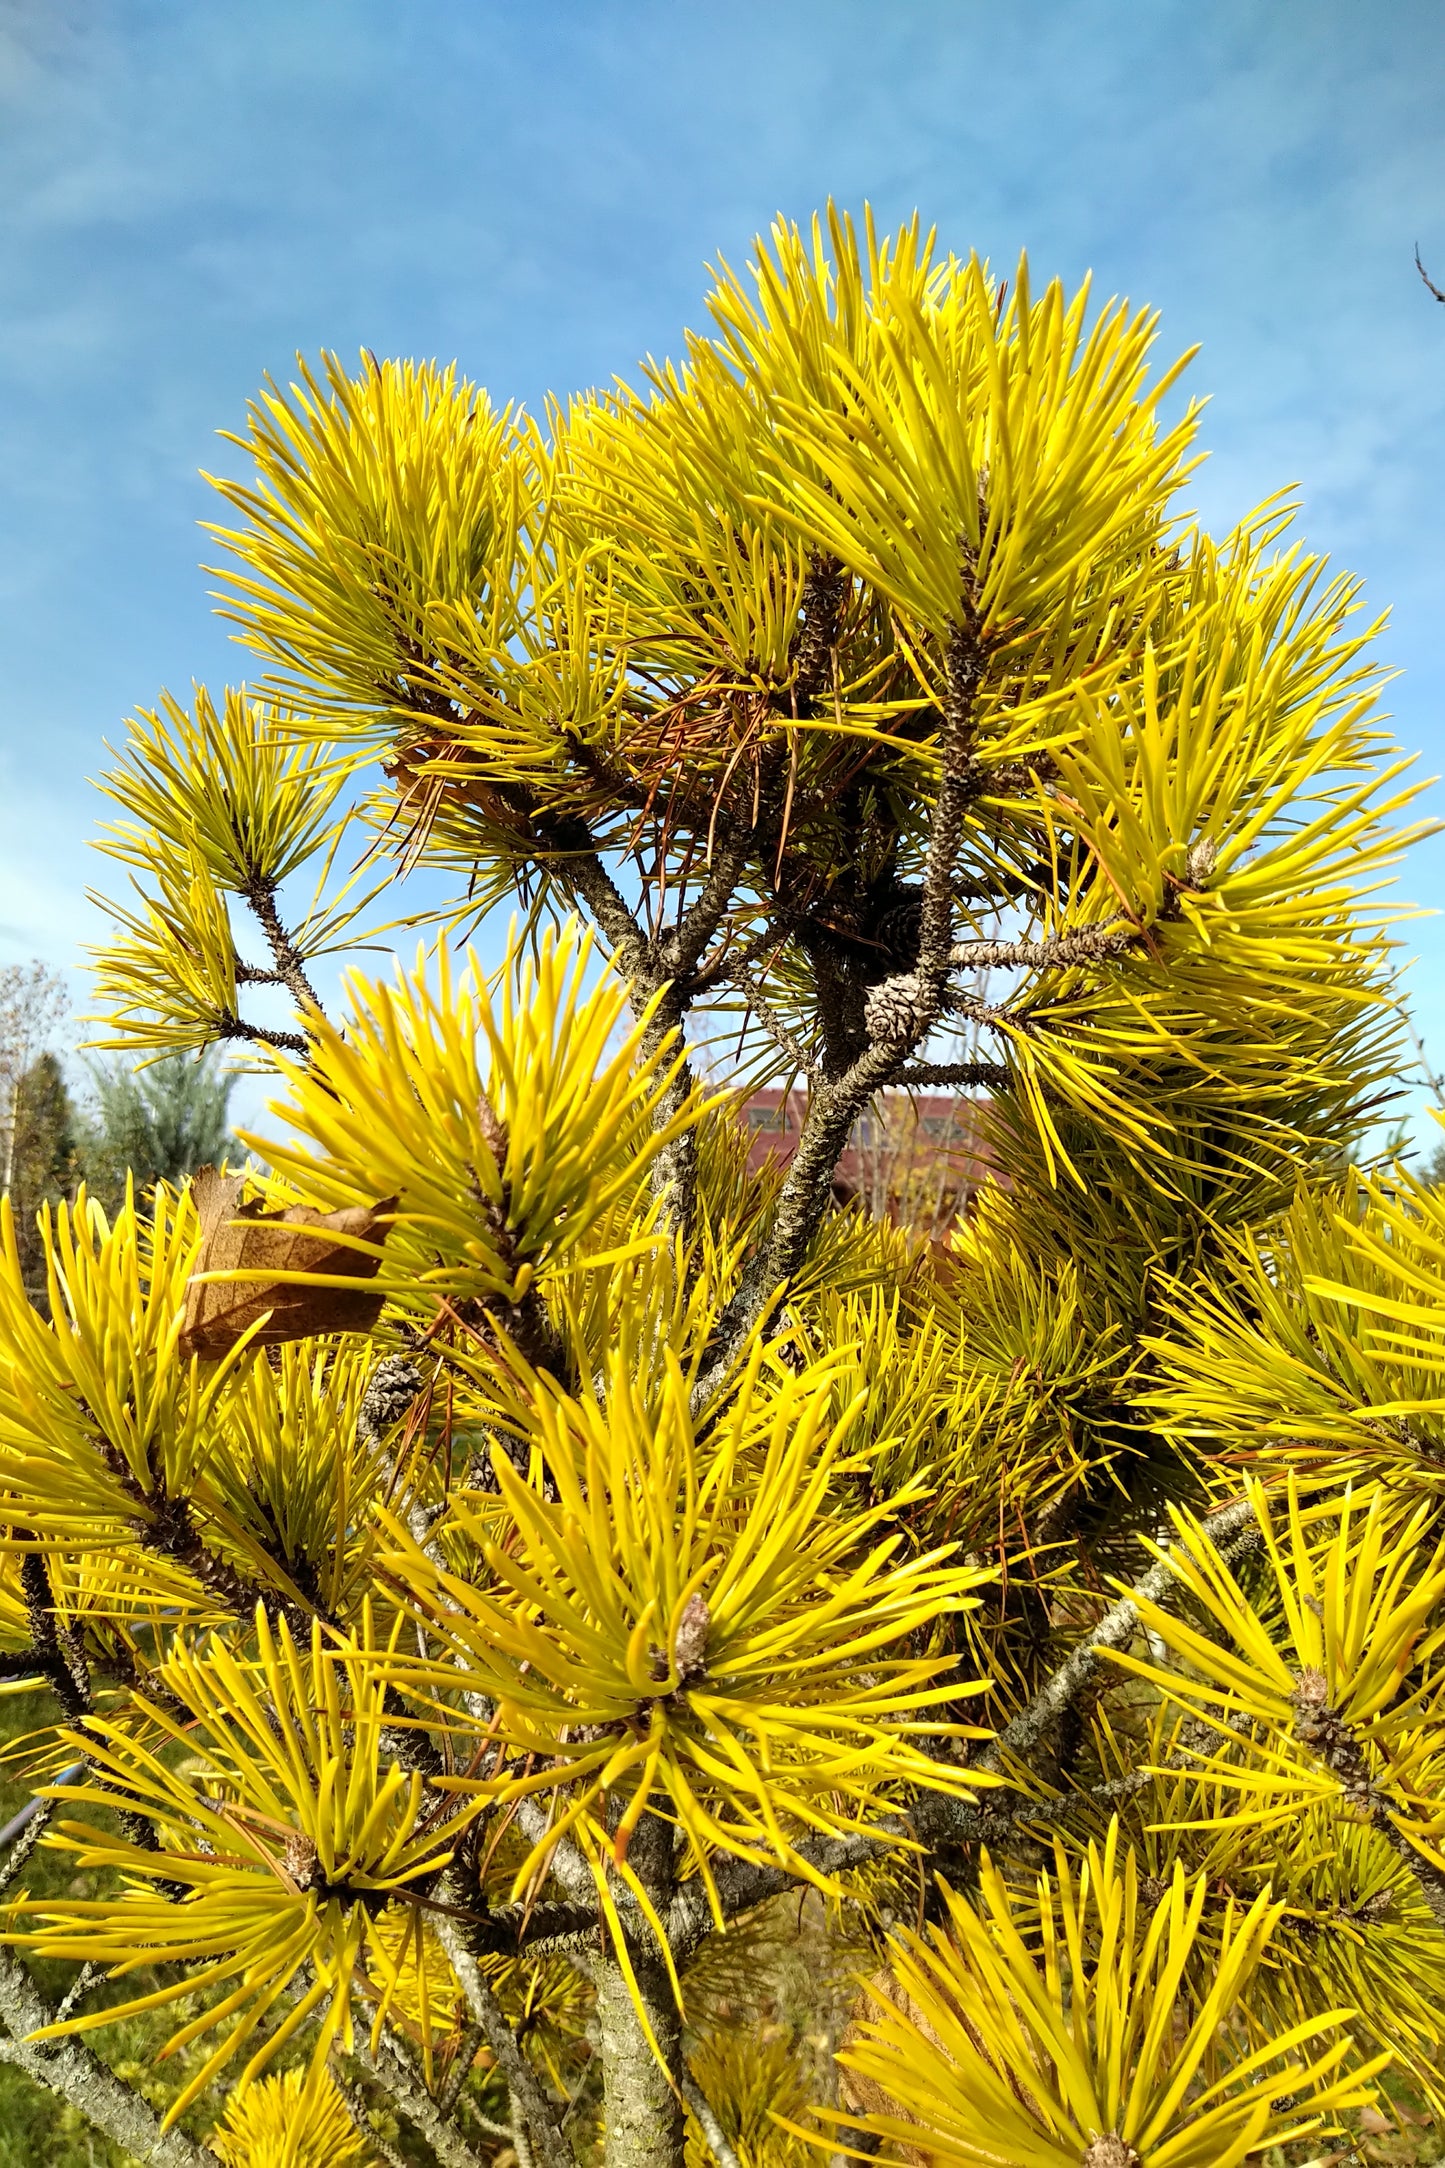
[(642, 2100)]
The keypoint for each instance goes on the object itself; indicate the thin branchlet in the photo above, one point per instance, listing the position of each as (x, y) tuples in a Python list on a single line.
[(290, 966)]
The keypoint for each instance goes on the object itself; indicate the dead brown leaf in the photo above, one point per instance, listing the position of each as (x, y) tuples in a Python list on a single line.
[(864, 2095), (244, 1237)]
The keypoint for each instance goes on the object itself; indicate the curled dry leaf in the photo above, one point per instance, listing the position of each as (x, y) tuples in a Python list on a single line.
[(237, 1236), (864, 2095)]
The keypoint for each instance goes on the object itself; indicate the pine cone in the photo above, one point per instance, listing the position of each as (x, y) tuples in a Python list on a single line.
[(390, 1391), (1110, 2151), (896, 1013)]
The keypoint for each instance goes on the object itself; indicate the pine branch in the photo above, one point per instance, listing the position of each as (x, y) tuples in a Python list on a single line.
[(1428, 1876), (933, 1816), (539, 1929), (1326, 1733), (521, 2143), (708, 2123), (564, 1860), (77, 1991), (56, 1649), (936, 1815), (73, 2070), (166, 1525), (742, 1884), (992, 1076), (674, 1173), (727, 964), (568, 848), (678, 951), (392, 2072), (899, 1016), (231, 1026), (24, 1830), (958, 783), (992, 1015), (528, 2099), (1092, 944), (775, 1028), (461, 2067), (355, 2104), (290, 964), (803, 1198), (825, 590), (170, 1530), (1115, 1630)]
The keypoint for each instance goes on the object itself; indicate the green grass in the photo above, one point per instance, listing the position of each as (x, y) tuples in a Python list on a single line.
[(38, 2130)]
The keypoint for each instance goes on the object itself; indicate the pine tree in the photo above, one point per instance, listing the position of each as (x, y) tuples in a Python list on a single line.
[(529, 1605), (33, 1001), (158, 1123), (45, 1157)]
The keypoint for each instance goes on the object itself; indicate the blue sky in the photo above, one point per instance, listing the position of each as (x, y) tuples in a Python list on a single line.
[(192, 192)]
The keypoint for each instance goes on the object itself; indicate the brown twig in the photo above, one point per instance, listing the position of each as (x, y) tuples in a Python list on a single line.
[(290, 964), (1092, 944), (523, 2085)]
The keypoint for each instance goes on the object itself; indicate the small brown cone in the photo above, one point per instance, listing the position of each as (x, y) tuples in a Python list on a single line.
[(689, 1643), (1110, 2151)]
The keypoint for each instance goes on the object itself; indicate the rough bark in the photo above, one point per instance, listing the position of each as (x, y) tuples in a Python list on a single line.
[(642, 2095), (406, 2091), (76, 2073), (643, 2114)]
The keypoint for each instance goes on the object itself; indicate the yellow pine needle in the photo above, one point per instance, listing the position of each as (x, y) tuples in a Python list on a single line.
[(993, 2048), (296, 2120), (286, 1741), (798, 1711), (507, 1136)]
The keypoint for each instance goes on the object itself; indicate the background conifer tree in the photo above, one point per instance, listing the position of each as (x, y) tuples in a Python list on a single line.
[(47, 1147), (493, 1569), (158, 1123)]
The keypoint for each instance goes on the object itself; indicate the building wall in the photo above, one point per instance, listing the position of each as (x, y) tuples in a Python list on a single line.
[(916, 1155)]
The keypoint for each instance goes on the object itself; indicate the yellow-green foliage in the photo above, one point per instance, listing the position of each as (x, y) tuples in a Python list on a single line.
[(711, 1626), (504, 1171), (1031, 2051), (289, 2122), (284, 1826), (463, 1703)]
